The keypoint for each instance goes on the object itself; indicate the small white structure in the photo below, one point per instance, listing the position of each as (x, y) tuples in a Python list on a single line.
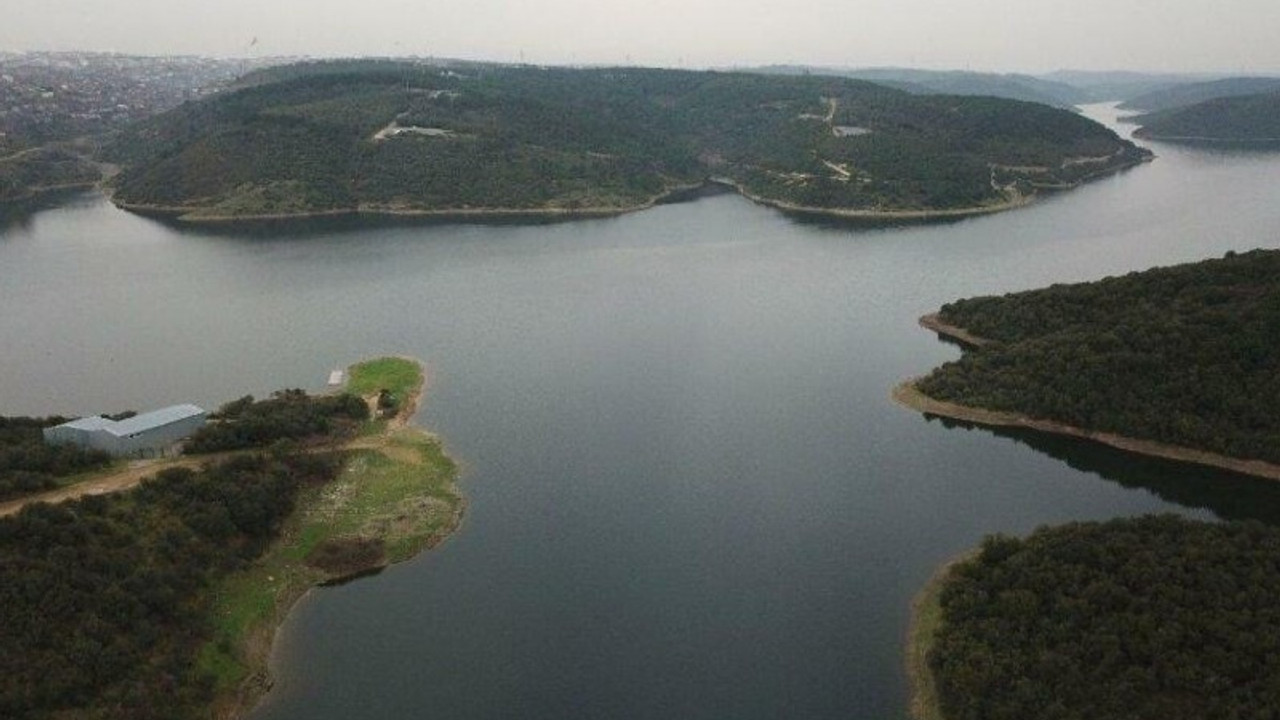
[(336, 378), (145, 435)]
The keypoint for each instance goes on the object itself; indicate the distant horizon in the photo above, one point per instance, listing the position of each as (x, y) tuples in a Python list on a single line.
[(1206, 73), (1231, 37)]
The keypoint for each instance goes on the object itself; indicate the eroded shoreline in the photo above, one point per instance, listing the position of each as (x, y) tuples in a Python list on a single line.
[(909, 395)]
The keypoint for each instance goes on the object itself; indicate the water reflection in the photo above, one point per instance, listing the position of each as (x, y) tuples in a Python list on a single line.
[(17, 217), (1230, 496), (343, 223), (339, 224), (1231, 149)]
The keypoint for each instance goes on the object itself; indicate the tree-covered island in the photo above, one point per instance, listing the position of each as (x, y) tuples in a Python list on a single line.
[(160, 600), (400, 137)]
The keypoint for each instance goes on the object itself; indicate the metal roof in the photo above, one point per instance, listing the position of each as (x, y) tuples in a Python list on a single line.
[(154, 419), (95, 422), (137, 423)]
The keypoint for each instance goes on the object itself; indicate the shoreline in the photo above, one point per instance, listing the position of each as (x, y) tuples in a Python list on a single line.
[(908, 395), (253, 648), (849, 214), (1142, 134), (35, 193), (926, 617), (934, 322), (194, 214)]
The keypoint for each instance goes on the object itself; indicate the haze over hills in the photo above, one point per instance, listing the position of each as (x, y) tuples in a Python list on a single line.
[(953, 82), (1111, 85), (1187, 94), (404, 137)]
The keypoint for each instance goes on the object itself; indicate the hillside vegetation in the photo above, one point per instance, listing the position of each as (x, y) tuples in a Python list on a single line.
[(37, 170), (384, 136), (106, 599), (1186, 355), (1247, 118), (28, 464), (1156, 617), (287, 416)]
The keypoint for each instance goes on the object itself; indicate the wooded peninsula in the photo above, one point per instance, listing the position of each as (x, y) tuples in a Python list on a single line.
[(402, 137), (161, 601), (1240, 119), (1186, 356), (1150, 617)]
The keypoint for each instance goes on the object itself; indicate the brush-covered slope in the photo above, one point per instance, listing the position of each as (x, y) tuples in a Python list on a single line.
[(385, 136)]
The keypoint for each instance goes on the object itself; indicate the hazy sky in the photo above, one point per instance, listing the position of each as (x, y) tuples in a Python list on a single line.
[(1028, 35)]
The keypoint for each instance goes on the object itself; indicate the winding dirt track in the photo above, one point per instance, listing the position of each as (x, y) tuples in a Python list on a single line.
[(124, 479)]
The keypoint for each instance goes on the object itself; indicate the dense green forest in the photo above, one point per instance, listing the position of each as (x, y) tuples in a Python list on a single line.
[(1157, 617), (288, 415), (379, 135), (104, 598), (29, 464), (1187, 355), (1244, 118)]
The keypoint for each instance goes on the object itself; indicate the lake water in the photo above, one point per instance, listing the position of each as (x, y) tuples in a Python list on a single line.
[(690, 494)]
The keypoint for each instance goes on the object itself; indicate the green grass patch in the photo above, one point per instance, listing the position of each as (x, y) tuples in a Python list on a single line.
[(399, 376), (401, 493)]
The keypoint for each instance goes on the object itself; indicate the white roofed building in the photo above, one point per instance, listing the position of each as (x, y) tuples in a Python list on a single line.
[(146, 435)]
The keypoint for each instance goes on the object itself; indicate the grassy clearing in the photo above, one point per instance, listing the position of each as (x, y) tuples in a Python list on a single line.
[(400, 376), (397, 494)]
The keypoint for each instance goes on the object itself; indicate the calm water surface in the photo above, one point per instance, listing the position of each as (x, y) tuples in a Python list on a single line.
[(690, 495)]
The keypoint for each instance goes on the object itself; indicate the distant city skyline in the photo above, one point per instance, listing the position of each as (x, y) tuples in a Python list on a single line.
[(1229, 36)]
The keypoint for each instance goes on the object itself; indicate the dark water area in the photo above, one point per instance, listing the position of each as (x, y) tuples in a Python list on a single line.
[(690, 493), (1228, 495)]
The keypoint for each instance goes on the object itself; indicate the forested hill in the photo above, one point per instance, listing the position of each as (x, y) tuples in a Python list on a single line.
[(1187, 355), (385, 136), (952, 82), (1187, 94), (1248, 118)]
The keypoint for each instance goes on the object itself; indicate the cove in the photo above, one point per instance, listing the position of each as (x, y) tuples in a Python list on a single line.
[(689, 492)]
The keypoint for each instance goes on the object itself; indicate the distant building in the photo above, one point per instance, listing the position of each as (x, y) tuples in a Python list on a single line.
[(146, 435)]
